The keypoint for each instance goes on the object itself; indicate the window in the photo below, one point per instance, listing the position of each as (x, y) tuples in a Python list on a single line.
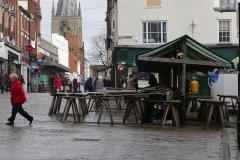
[(224, 31), (154, 32)]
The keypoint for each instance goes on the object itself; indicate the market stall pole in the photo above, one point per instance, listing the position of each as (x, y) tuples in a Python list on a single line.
[(182, 112)]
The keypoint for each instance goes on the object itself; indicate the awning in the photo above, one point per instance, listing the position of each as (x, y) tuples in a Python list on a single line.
[(54, 67), (103, 69), (198, 57)]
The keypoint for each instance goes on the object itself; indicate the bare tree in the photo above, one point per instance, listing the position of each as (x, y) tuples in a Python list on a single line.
[(96, 54)]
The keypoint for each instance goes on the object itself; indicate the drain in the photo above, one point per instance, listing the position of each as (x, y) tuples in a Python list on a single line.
[(87, 140)]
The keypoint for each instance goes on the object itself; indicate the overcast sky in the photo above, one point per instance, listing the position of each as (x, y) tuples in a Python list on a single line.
[(93, 16)]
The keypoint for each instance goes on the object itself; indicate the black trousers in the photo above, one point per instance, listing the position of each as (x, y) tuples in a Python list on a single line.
[(17, 107)]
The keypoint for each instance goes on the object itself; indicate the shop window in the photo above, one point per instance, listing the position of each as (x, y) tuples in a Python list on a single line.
[(224, 31), (153, 2), (154, 32)]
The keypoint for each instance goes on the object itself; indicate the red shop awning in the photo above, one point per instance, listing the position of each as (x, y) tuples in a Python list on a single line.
[(103, 69)]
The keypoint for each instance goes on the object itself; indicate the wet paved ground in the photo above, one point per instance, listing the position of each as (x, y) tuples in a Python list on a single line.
[(47, 138)]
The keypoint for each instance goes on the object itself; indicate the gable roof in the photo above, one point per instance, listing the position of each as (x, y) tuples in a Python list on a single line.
[(196, 54)]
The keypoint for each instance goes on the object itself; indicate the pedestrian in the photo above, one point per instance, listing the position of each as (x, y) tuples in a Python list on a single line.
[(94, 84), (86, 85), (21, 79), (109, 82), (79, 89), (105, 82), (135, 81), (3, 82), (57, 83), (130, 83), (99, 84), (64, 82), (90, 84), (67, 88), (17, 98), (152, 81), (194, 86), (75, 85), (70, 86), (121, 81), (7, 82)]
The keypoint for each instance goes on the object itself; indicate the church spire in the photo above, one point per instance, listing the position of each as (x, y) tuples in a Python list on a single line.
[(75, 8), (79, 11), (53, 9)]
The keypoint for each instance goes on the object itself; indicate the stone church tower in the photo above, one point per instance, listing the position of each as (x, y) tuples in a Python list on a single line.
[(67, 21), (68, 18)]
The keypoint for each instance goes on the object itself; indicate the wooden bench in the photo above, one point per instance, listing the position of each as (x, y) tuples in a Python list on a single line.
[(215, 107), (192, 101), (229, 96), (170, 104), (107, 105), (71, 103)]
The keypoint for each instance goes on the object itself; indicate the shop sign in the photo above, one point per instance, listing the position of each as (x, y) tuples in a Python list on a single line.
[(32, 58), (28, 47), (40, 57)]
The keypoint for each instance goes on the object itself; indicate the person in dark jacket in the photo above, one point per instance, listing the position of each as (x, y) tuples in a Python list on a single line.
[(152, 81), (3, 82), (135, 82), (109, 82), (70, 86), (7, 82), (18, 98)]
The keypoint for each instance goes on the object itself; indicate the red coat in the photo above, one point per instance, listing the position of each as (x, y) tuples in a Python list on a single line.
[(57, 82), (75, 84), (17, 93)]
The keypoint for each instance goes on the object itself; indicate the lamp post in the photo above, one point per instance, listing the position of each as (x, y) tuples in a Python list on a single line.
[(238, 118)]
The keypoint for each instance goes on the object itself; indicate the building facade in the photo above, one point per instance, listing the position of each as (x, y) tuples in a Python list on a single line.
[(155, 22), (67, 22), (62, 45)]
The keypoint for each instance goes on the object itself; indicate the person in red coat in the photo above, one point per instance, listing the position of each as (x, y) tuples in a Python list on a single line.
[(18, 98), (75, 85), (57, 83)]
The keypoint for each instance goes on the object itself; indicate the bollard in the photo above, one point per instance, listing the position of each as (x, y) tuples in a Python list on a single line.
[(238, 125), (182, 111)]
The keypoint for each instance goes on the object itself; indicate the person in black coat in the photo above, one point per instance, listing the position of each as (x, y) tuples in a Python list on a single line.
[(152, 81), (135, 82)]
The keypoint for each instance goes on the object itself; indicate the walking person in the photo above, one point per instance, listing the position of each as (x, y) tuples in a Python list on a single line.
[(130, 83), (135, 81), (70, 86), (7, 82), (3, 82), (99, 83), (75, 85), (57, 83), (90, 84), (109, 82), (21, 79), (17, 98)]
